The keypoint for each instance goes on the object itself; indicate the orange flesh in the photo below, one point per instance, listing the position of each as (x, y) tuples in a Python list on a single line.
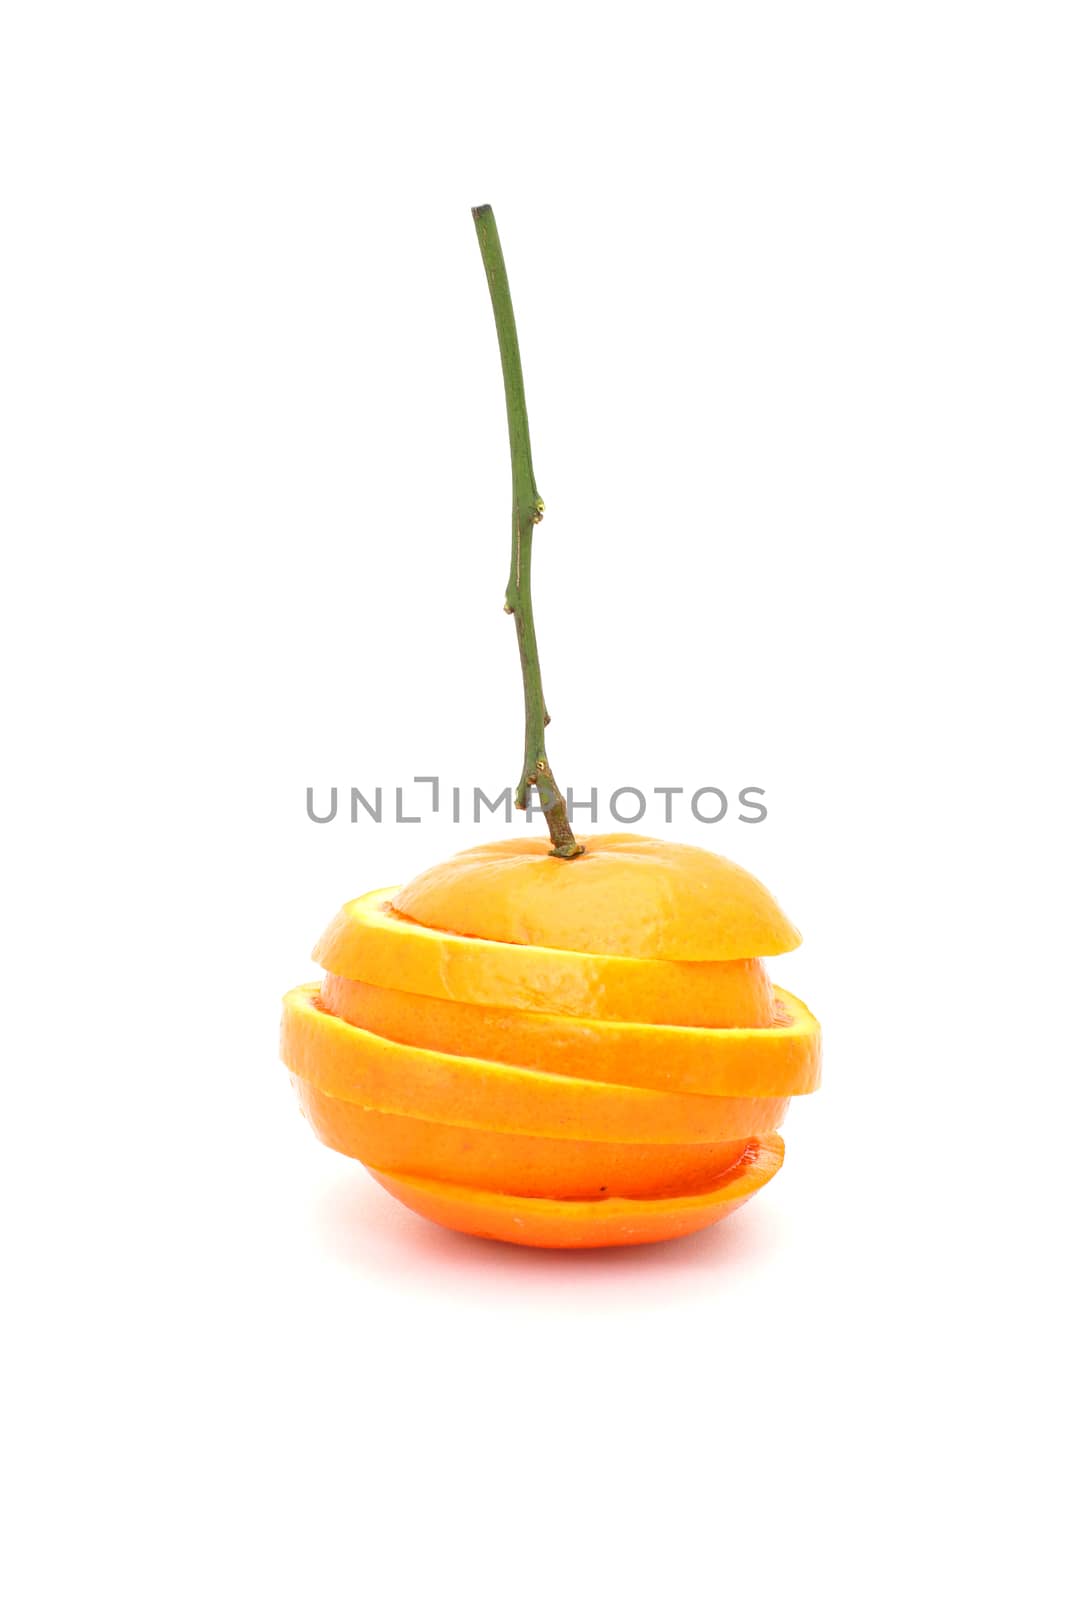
[(354, 1064), (516, 1163), (369, 942), (580, 1224), (778, 1061), (679, 902)]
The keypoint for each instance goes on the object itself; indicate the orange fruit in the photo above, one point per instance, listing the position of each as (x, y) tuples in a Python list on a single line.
[(558, 1053)]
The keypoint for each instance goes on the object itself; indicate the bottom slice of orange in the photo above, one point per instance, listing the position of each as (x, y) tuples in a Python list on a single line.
[(584, 1224)]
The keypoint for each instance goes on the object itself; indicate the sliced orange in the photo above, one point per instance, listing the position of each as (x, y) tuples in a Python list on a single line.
[(354, 1064), (523, 1164), (784, 1059), (367, 940), (627, 895), (579, 1224)]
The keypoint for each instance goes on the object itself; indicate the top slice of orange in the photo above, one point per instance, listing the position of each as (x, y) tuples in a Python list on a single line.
[(627, 895)]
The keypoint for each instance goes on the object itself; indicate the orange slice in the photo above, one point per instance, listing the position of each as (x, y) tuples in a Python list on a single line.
[(523, 1164), (368, 941), (784, 1059), (356, 1065), (579, 1224), (627, 895)]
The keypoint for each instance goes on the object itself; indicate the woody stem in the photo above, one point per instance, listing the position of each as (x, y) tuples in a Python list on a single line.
[(527, 511)]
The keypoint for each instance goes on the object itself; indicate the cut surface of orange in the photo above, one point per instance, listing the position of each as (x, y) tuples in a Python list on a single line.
[(518, 1163), (781, 1060), (370, 942), (627, 895), (582, 1224), (353, 1064)]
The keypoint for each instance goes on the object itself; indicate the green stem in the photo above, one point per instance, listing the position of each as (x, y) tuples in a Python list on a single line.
[(528, 510)]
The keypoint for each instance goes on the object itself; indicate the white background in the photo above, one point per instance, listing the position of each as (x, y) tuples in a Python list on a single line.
[(789, 287)]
